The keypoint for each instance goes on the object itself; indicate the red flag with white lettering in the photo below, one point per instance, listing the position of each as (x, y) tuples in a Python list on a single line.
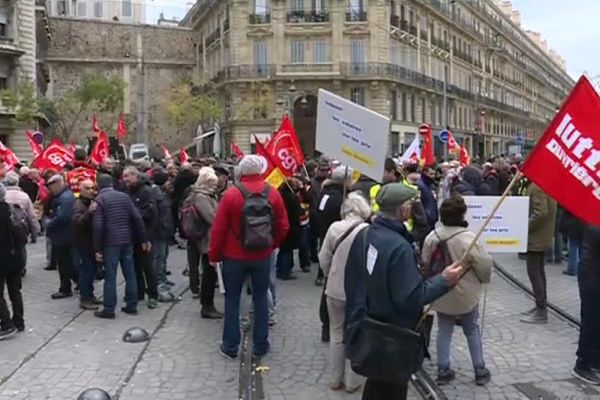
[(565, 163), (284, 148), (101, 149), (121, 128), (55, 156), (183, 156), (9, 157), (36, 149)]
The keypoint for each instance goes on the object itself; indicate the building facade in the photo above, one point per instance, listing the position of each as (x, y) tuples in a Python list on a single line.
[(465, 65), (17, 61), (130, 11)]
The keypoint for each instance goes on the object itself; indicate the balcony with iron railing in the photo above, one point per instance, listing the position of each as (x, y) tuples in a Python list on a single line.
[(307, 17), (226, 25), (307, 68), (356, 16), (259, 19), (245, 72)]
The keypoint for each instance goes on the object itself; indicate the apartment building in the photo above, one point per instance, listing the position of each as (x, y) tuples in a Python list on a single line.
[(130, 11), (461, 64)]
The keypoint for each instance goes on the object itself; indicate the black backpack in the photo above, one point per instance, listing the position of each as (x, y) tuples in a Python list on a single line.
[(165, 226), (257, 220), (192, 225), (19, 226)]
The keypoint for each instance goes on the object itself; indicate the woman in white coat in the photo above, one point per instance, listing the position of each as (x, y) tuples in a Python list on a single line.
[(332, 259)]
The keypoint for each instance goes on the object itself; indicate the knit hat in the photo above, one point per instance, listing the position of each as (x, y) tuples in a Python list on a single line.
[(393, 195), (339, 173)]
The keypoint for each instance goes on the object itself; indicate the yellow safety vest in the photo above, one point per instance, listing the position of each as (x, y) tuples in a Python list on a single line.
[(410, 223)]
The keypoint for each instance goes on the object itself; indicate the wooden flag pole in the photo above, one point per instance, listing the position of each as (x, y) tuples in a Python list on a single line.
[(512, 183)]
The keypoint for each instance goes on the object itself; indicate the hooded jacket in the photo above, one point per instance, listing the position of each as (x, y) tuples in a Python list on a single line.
[(59, 226), (465, 295), (143, 197), (205, 202), (329, 205)]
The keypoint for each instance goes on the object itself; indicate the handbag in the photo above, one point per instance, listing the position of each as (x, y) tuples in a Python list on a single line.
[(382, 351)]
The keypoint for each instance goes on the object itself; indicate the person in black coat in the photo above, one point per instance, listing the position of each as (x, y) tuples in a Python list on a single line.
[(143, 198), (10, 274), (587, 366), (285, 257), (572, 227), (28, 185)]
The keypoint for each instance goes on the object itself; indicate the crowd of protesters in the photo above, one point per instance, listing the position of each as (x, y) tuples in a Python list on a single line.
[(378, 249)]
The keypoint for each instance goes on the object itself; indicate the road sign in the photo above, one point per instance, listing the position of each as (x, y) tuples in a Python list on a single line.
[(444, 135), (424, 129), (520, 140)]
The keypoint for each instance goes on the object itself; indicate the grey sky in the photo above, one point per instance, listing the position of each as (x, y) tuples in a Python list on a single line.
[(571, 27)]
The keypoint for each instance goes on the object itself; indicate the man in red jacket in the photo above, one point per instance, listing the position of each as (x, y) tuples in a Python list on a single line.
[(227, 246)]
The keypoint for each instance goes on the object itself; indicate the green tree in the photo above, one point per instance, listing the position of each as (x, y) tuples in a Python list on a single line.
[(191, 103), (259, 103), (97, 93), (23, 102)]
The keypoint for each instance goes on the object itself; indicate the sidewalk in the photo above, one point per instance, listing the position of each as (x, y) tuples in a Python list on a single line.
[(563, 290), (526, 361)]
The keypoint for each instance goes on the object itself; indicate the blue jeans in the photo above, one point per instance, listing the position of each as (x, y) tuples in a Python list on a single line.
[(234, 273), (471, 330), (285, 263), (272, 282), (161, 253), (112, 257), (574, 254), (85, 264)]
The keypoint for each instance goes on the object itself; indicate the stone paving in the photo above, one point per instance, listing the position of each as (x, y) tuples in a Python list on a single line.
[(65, 350), (563, 290)]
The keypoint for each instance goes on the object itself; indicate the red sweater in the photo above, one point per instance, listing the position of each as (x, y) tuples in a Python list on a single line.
[(225, 234)]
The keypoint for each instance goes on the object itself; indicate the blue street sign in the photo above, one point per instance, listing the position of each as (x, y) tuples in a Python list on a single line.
[(444, 136), (520, 140)]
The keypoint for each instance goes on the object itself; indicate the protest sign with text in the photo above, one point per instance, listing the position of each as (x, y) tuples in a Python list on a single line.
[(352, 134)]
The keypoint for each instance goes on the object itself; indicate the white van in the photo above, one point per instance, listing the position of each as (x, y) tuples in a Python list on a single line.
[(138, 152)]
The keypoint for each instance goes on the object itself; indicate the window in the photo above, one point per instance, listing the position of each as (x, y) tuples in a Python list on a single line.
[(261, 7), (98, 10), (413, 106), (318, 6), (3, 85), (356, 11), (82, 9), (297, 5), (423, 110), (357, 95), (394, 105), (320, 54), (127, 8), (260, 57), (297, 51), (62, 7), (357, 54), (394, 142), (3, 22), (403, 108)]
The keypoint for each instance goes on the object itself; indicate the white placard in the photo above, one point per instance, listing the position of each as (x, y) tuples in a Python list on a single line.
[(508, 230), (352, 134)]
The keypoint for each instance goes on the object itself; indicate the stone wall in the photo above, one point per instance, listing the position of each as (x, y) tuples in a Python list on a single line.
[(152, 60)]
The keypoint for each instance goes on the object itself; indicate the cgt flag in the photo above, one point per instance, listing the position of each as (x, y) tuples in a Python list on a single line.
[(465, 158), (284, 148), (101, 149), (235, 149), (565, 163), (427, 156), (413, 152), (55, 156), (272, 174), (453, 146)]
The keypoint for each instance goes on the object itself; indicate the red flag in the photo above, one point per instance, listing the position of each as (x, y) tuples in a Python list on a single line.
[(465, 158), (235, 149), (183, 156), (273, 173), (95, 127), (565, 163), (427, 156), (9, 157), (55, 156), (167, 152), (72, 147), (101, 149), (36, 149), (453, 146), (284, 148), (78, 175), (121, 128)]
